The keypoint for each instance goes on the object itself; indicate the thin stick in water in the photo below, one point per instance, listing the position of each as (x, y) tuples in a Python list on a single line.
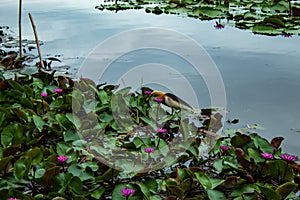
[(20, 27), (36, 41)]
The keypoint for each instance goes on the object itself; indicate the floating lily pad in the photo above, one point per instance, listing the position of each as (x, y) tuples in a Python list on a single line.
[(266, 29)]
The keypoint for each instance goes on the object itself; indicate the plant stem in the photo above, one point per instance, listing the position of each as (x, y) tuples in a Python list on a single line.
[(112, 176), (285, 170), (262, 167), (43, 106), (20, 27), (37, 41), (158, 143), (137, 116), (33, 181)]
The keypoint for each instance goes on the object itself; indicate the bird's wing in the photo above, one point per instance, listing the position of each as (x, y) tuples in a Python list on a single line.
[(175, 98)]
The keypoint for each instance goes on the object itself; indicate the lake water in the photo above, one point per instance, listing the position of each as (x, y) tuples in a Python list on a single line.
[(260, 73)]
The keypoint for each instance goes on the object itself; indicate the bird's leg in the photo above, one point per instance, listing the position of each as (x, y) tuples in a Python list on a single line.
[(157, 115), (179, 118)]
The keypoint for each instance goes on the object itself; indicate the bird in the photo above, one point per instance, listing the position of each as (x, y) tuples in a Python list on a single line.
[(175, 102), (171, 100)]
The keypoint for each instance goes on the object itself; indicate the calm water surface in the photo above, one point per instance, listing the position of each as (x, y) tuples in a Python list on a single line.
[(260, 73)]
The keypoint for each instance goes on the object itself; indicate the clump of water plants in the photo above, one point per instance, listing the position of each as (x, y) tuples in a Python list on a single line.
[(266, 17), (27, 62), (58, 144)]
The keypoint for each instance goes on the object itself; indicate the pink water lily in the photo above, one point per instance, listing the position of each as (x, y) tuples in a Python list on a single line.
[(224, 148), (126, 192), (162, 130), (219, 26), (58, 90), (286, 35), (149, 150), (44, 94), (159, 100), (267, 155), (147, 92), (288, 157), (62, 159)]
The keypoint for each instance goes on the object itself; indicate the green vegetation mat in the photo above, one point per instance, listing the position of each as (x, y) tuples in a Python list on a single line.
[(56, 144), (268, 17)]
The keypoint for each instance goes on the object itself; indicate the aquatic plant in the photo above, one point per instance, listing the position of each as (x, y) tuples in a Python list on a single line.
[(47, 151), (12, 60), (260, 16)]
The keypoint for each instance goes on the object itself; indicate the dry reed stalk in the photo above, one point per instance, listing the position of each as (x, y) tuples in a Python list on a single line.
[(36, 41), (20, 27)]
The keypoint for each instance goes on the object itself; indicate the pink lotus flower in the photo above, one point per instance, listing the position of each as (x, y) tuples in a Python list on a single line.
[(288, 157), (267, 155), (58, 90), (11, 198), (126, 192), (44, 94), (224, 148), (162, 130), (159, 100), (149, 150), (62, 159), (147, 92)]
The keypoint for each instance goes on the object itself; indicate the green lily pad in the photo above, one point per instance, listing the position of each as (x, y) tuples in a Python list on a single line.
[(266, 29)]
